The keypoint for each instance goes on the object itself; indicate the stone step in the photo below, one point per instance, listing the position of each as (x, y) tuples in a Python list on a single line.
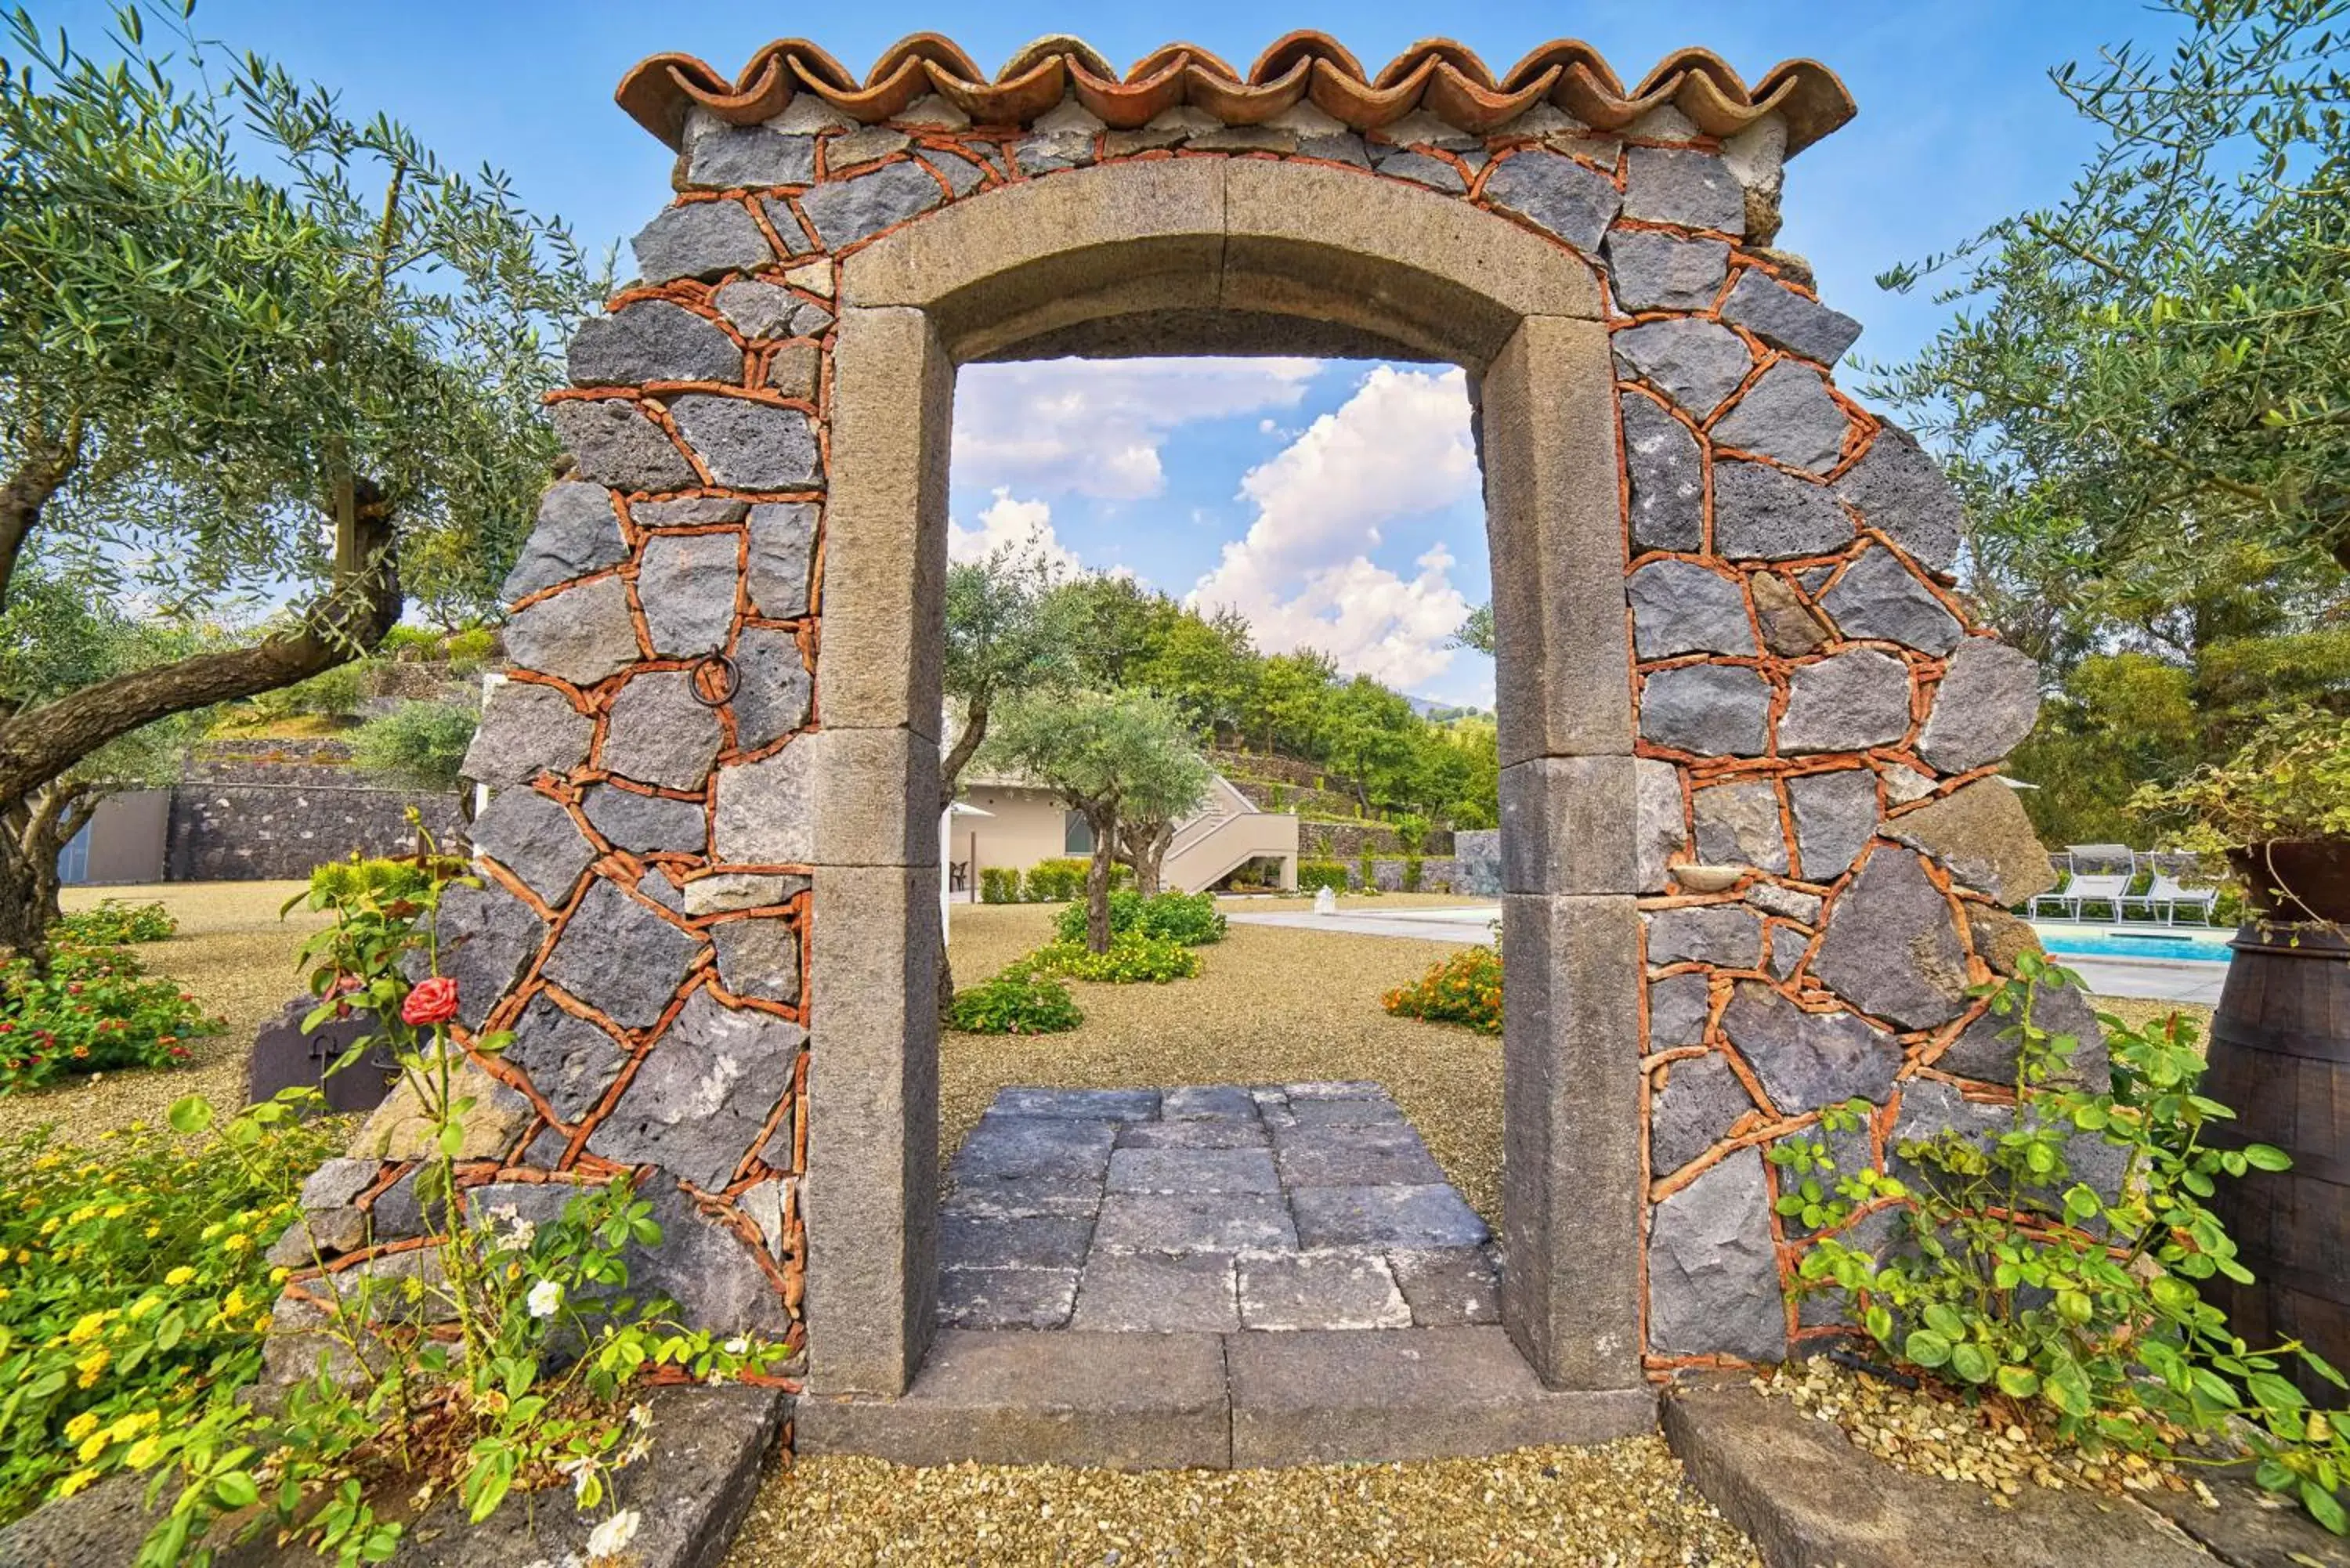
[(1321, 1397), (1166, 1401), (1129, 1401)]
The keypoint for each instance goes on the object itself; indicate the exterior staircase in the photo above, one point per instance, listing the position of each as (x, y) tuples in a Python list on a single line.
[(1226, 833)]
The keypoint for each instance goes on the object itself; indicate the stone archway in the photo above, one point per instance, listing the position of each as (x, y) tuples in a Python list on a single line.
[(1155, 251), (1753, 856)]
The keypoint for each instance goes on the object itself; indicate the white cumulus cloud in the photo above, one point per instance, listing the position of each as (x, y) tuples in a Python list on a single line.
[(1096, 427), (1006, 521), (1398, 448)]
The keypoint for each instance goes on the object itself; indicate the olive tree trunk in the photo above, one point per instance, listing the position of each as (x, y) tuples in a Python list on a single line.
[(1103, 820)]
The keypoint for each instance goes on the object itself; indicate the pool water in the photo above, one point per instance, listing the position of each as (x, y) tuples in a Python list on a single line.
[(2171, 945)]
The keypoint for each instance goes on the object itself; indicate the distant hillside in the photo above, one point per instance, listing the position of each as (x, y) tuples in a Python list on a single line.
[(1436, 713)]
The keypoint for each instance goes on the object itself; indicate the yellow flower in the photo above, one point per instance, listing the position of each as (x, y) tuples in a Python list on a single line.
[(131, 1426), (48, 1227), (236, 1243), (76, 1482), (235, 1303), (143, 1453), (153, 1231), (81, 1425), (91, 1365), (83, 1332), (180, 1276), (117, 1211), (92, 1445)]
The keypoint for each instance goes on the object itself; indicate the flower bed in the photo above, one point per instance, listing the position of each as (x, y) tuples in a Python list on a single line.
[(92, 1009), (1464, 988)]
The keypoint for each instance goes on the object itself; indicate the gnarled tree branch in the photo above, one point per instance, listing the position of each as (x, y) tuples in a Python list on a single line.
[(41, 742)]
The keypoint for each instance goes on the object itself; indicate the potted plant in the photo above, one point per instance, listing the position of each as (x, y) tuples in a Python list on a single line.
[(2278, 810)]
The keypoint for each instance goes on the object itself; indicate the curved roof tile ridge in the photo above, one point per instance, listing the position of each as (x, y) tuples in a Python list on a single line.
[(1436, 73)]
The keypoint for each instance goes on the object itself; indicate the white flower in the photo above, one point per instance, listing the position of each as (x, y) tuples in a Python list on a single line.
[(736, 1345), (546, 1297), (613, 1534)]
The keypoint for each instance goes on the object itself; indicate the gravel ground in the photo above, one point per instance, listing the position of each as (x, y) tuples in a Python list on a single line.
[(235, 955), (1275, 1005), (1620, 1504)]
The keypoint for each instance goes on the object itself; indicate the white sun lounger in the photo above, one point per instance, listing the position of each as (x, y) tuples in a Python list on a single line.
[(2169, 895), (2104, 886)]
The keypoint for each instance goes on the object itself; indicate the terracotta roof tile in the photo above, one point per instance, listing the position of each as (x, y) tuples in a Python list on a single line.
[(1436, 74)]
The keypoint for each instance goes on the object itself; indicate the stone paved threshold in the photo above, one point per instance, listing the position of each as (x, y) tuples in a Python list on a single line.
[(1807, 1495), (1215, 1209), (692, 1492), (1181, 1401)]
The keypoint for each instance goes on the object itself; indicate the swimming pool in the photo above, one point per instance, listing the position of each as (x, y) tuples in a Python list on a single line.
[(2194, 947)]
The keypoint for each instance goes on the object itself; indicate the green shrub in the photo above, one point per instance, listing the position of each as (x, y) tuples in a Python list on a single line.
[(1016, 1001), (1132, 958), (1313, 875), (95, 1010), (471, 651), (1463, 989), (417, 744), (999, 885), (1412, 872), (2078, 1304), (115, 921), (1189, 919), (1055, 881), (1368, 870), (138, 1295)]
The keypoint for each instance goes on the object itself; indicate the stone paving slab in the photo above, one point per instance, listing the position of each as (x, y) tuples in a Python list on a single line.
[(1193, 1222), (1207, 1209), (1150, 1293), (1006, 1298), (1036, 1146), (1192, 1170), (1041, 1242), (1360, 1155), (1217, 1102), (1450, 1287), (1416, 1217), (1334, 1290), (1106, 1104), (1249, 1134)]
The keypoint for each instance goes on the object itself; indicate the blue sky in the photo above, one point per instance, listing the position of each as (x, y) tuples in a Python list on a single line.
[(1258, 482)]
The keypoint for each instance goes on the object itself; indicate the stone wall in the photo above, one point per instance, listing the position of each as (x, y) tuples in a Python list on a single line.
[(1821, 856), (1477, 862), (261, 810)]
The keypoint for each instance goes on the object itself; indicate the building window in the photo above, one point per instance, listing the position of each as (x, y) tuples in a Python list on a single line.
[(1076, 835)]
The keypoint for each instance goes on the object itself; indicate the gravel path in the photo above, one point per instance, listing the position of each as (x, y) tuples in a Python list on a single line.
[(1618, 1504)]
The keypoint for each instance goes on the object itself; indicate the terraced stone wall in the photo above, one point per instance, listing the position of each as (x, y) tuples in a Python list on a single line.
[(1822, 852)]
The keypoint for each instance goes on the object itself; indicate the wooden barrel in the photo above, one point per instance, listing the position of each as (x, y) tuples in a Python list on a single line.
[(2279, 1058)]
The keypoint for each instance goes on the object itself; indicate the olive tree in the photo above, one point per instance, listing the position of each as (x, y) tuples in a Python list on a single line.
[(1009, 628), (248, 343), (2144, 394), (53, 639), (1108, 756)]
